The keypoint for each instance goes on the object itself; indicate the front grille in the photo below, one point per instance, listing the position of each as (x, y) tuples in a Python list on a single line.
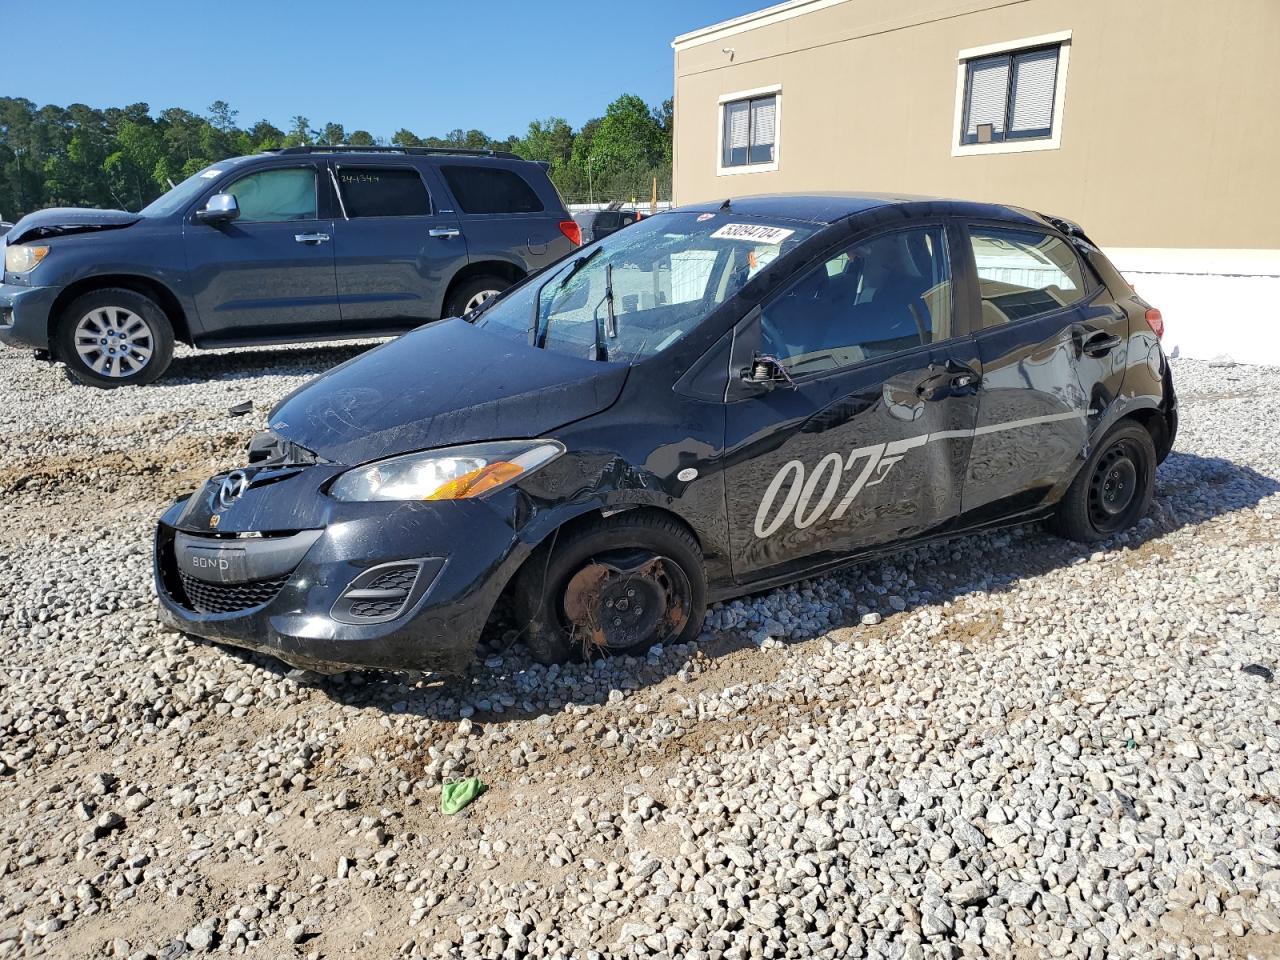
[(204, 597)]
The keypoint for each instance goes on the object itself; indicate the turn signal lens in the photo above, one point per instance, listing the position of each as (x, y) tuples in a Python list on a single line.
[(571, 230), (1156, 322), (477, 482)]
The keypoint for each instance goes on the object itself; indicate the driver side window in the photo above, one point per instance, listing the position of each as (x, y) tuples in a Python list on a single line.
[(273, 196), (877, 297)]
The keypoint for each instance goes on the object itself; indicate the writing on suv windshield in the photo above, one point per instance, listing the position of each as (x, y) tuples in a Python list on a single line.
[(640, 290)]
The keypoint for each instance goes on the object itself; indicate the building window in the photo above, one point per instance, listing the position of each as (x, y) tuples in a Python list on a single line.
[(749, 131), (1009, 96)]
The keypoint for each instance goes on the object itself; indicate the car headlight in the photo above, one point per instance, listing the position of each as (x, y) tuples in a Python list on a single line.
[(19, 258), (453, 473)]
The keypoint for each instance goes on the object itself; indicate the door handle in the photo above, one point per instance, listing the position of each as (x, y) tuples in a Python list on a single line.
[(1097, 343), (947, 380), (445, 232), (312, 238)]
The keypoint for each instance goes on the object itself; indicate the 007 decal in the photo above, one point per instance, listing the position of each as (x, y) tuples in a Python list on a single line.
[(808, 499)]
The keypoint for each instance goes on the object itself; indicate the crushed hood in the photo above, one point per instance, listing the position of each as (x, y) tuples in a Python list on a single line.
[(60, 221), (443, 384)]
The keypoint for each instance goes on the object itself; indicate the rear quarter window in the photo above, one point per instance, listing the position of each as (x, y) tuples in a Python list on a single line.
[(490, 190)]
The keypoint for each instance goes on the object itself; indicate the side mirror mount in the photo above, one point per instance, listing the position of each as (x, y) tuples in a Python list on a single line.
[(766, 372), (221, 208)]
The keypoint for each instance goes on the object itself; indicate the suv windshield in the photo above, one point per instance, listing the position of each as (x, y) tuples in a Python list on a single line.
[(663, 276), (187, 190)]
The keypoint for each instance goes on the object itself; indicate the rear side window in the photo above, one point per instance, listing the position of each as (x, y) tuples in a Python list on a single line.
[(383, 192), (490, 190), (272, 196), (1024, 274)]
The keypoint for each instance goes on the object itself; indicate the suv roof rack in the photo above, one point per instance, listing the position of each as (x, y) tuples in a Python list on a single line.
[(412, 151)]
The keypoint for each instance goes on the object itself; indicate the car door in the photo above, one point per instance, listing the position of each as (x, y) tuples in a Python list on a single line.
[(270, 272), (863, 435), (1050, 342), (395, 251)]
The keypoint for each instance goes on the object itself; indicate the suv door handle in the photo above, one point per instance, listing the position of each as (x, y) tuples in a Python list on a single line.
[(1097, 343), (446, 232), (311, 237)]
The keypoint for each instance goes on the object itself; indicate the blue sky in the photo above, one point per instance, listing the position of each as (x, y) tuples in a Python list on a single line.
[(429, 65)]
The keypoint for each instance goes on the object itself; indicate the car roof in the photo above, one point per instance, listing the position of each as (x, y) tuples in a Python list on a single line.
[(826, 208)]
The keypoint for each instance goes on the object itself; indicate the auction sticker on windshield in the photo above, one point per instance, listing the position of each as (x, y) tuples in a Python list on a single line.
[(755, 232)]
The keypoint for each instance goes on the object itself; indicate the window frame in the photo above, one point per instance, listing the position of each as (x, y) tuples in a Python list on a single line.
[(758, 93), (336, 186), (226, 185), (1011, 49), (954, 241), (972, 309)]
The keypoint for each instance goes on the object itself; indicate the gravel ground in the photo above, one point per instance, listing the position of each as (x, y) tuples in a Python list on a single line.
[(1001, 746)]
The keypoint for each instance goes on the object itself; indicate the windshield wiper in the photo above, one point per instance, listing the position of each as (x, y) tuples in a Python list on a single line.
[(540, 339), (611, 322)]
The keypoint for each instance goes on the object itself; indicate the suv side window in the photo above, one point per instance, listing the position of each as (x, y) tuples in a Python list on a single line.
[(383, 192), (877, 297), (490, 190), (1024, 274), (272, 196)]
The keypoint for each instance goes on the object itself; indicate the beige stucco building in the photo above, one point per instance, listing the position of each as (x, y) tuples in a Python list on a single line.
[(1154, 123)]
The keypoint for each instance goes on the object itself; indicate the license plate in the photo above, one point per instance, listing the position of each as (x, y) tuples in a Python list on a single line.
[(214, 564)]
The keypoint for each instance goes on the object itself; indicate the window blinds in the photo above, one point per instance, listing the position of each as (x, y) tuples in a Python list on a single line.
[(763, 121), (988, 94), (1034, 75), (735, 126)]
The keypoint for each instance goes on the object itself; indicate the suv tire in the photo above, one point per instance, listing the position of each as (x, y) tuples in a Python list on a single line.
[(1113, 489), (470, 294), (586, 593), (114, 338)]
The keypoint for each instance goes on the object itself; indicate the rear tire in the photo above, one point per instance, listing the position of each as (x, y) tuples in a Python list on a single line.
[(617, 585), (114, 338), (471, 293), (1113, 489)]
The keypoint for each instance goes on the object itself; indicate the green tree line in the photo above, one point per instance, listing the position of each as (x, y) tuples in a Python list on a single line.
[(125, 157)]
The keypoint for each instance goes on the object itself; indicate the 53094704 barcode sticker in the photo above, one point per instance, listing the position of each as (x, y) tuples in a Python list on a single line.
[(754, 232)]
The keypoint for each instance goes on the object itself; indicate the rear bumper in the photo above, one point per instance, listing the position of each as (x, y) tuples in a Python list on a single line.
[(24, 315), (298, 608)]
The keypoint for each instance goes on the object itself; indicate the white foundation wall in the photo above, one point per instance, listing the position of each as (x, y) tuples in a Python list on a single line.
[(1216, 303)]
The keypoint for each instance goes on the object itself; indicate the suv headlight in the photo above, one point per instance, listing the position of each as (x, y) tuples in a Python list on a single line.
[(453, 473), (19, 258)]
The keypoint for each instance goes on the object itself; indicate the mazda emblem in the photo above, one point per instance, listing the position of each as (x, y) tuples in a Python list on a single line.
[(233, 487)]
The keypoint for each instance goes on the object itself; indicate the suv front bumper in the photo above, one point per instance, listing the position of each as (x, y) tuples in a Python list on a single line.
[(24, 315), (296, 603)]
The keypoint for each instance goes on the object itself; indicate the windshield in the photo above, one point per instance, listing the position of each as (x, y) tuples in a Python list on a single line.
[(178, 197), (658, 278)]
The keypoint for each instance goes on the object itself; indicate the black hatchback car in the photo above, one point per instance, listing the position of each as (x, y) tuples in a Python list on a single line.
[(713, 401), (294, 245)]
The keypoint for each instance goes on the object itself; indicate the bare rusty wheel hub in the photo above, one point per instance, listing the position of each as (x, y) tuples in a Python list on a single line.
[(623, 599)]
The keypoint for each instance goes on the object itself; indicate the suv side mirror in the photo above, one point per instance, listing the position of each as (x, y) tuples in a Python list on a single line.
[(221, 208)]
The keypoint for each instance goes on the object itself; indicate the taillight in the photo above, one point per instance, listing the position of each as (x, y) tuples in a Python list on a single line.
[(1156, 322), (571, 230)]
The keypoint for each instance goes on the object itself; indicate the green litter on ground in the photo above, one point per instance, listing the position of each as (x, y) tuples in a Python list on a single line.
[(458, 794)]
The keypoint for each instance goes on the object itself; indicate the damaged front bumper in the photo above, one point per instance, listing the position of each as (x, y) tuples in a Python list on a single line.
[(25, 314), (333, 586)]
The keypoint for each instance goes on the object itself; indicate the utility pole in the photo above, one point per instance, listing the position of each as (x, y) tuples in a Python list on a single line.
[(591, 193)]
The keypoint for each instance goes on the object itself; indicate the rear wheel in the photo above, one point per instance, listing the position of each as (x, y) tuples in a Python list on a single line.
[(1113, 489), (618, 585), (471, 293), (114, 338)]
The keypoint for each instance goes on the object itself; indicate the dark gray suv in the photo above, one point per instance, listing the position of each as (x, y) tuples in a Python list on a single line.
[(301, 244)]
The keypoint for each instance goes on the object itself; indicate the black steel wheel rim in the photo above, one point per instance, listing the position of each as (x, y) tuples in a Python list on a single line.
[(1114, 487), (624, 599)]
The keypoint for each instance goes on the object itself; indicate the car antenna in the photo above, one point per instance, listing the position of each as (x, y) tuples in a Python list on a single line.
[(725, 205)]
